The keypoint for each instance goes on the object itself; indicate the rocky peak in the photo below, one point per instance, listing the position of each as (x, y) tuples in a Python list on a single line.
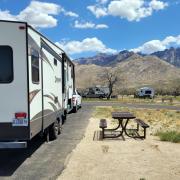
[(171, 55)]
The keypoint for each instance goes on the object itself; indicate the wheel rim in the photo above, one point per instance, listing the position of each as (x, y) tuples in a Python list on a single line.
[(60, 127), (56, 128)]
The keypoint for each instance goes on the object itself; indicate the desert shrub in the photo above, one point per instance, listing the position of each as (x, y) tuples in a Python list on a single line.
[(171, 136)]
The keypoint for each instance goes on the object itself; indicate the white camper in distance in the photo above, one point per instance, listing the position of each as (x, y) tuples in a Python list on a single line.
[(145, 92), (32, 85)]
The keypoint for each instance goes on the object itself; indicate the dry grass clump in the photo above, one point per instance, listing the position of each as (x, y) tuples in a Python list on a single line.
[(160, 120), (131, 99), (103, 112)]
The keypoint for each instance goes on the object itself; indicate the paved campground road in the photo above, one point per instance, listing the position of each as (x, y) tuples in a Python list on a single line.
[(46, 160), (148, 106)]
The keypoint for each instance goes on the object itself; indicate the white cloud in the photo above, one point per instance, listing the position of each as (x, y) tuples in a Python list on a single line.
[(157, 5), (5, 15), (150, 47), (89, 25), (132, 10), (102, 1), (157, 45), (85, 25), (98, 11), (42, 7), (102, 26), (71, 14), (38, 14), (86, 45)]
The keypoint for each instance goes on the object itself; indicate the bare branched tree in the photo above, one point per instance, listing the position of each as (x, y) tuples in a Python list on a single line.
[(110, 77)]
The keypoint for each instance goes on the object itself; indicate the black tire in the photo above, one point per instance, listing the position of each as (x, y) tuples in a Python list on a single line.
[(53, 131), (60, 125), (46, 135), (75, 109), (64, 117)]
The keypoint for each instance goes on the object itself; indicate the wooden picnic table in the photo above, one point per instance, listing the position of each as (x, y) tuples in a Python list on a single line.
[(123, 119)]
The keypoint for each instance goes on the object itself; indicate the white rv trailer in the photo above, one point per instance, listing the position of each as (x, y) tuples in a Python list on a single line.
[(145, 92), (32, 84)]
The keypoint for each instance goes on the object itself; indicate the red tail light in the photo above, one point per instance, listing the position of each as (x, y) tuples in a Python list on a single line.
[(20, 115), (22, 27)]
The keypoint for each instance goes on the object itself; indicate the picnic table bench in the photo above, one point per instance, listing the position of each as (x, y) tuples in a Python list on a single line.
[(170, 99), (103, 125), (143, 125)]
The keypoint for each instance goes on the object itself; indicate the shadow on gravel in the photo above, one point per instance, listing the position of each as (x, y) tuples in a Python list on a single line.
[(11, 159), (42, 160)]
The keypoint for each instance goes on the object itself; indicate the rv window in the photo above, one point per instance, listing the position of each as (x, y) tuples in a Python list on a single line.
[(6, 64), (148, 92), (67, 73), (55, 62), (35, 68), (72, 72)]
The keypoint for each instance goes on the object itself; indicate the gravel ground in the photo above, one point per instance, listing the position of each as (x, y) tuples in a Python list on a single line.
[(122, 160)]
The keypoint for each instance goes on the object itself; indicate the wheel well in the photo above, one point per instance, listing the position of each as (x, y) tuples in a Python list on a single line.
[(60, 118)]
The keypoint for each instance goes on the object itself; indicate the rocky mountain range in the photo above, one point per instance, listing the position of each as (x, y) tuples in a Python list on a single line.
[(159, 70), (171, 56)]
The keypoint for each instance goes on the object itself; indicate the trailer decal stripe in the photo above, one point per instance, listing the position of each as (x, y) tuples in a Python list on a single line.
[(48, 96), (53, 106), (39, 114), (57, 100), (45, 59), (33, 94), (33, 44)]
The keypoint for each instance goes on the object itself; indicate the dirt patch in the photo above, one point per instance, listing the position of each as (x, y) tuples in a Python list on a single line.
[(122, 160)]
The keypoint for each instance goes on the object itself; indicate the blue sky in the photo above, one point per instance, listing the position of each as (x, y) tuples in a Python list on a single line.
[(86, 27)]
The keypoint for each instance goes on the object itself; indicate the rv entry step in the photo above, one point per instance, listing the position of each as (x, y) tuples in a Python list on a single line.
[(13, 145)]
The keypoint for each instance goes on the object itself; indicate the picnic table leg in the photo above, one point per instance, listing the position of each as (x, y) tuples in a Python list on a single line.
[(125, 125), (125, 129), (103, 134), (144, 133), (137, 127), (136, 130), (120, 133), (119, 124)]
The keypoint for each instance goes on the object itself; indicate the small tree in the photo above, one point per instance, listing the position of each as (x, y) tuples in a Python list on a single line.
[(110, 77), (176, 89)]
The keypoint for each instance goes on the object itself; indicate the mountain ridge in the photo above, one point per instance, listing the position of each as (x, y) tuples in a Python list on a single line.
[(171, 56)]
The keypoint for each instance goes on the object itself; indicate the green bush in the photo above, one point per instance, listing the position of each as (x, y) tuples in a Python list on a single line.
[(171, 136)]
